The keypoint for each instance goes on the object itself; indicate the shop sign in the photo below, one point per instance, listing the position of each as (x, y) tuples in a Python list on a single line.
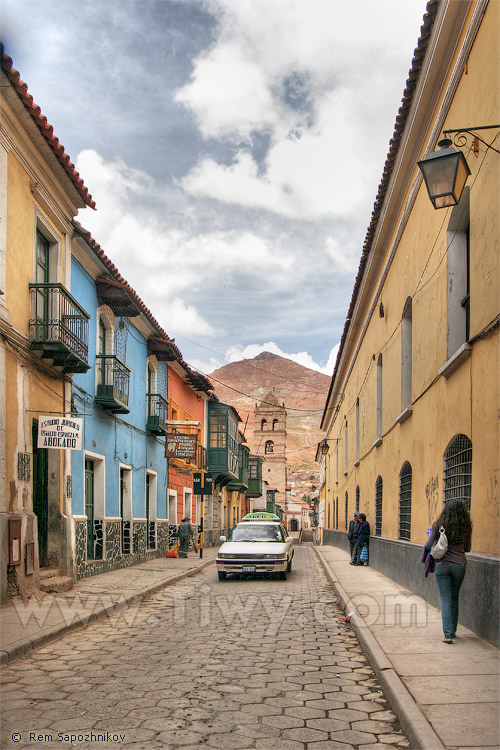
[(60, 432), (180, 445)]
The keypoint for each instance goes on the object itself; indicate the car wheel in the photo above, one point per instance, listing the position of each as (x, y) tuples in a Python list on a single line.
[(289, 566), (284, 575), (222, 576)]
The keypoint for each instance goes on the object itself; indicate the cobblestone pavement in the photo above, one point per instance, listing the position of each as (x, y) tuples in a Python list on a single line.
[(264, 664)]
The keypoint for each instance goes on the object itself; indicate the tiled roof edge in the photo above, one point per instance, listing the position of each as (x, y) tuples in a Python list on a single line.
[(394, 144), (45, 129), (99, 252)]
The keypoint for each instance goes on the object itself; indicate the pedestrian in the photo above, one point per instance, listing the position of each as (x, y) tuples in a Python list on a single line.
[(186, 533), (352, 534), (450, 569), (363, 539)]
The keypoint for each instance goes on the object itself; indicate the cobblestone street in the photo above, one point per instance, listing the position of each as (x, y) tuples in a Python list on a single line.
[(263, 664)]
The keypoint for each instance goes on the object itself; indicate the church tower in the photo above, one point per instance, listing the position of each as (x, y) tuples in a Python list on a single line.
[(270, 442)]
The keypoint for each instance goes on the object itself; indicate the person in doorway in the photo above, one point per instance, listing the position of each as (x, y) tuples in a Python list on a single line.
[(352, 533), (186, 533), (363, 539), (450, 569)]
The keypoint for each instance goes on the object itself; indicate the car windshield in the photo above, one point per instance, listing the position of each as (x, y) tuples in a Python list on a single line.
[(255, 533)]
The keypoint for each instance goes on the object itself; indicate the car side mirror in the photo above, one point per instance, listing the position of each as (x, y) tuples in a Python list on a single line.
[(222, 539)]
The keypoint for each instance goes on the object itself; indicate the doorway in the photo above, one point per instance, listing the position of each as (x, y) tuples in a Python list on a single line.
[(294, 526), (40, 494)]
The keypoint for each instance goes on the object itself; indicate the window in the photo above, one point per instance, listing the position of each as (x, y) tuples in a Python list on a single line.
[(379, 396), (263, 423), (188, 503), (378, 506), (172, 507), (406, 355), (329, 516), (275, 424), (458, 470), (357, 430), (346, 513), (336, 513), (346, 457), (217, 431), (357, 498), (269, 447), (405, 478), (458, 286)]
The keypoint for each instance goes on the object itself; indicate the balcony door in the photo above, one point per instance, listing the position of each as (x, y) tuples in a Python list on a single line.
[(42, 276)]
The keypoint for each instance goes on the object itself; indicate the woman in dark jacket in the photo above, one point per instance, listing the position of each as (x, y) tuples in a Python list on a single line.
[(450, 569)]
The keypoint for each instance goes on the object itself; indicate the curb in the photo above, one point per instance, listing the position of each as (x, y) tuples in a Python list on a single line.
[(413, 722), (57, 631)]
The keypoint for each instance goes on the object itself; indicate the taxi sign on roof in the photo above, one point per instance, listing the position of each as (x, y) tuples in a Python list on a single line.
[(261, 515)]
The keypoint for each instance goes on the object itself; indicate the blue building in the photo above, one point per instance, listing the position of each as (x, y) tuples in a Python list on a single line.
[(120, 478)]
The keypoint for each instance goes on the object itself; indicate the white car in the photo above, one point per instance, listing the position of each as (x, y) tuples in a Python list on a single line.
[(255, 547)]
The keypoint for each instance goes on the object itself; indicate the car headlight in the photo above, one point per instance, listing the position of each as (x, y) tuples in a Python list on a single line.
[(226, 556)]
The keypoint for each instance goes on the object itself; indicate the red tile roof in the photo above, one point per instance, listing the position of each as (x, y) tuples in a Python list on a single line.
[(198, 381), (45, 129), (418, 57)]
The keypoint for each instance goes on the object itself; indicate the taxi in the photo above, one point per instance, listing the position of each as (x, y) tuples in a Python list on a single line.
[(255, 546)]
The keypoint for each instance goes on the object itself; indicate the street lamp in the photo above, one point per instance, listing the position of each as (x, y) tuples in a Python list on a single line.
[(445, 171), (324, 448)]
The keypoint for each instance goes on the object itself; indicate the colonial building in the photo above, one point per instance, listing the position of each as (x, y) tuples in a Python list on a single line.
[(411, 417), (43, 336), (270, 442)]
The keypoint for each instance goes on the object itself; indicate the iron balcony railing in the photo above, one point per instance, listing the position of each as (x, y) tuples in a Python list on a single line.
[(59, 325), (113, 380), (157, 414)]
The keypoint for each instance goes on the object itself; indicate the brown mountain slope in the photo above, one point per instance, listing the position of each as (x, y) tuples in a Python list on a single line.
[(243, 384)]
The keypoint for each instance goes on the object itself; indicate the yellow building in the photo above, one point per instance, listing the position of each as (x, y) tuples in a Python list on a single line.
[(42, 334), (412, 415)]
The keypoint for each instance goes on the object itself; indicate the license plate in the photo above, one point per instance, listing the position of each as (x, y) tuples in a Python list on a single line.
[(248, 569)]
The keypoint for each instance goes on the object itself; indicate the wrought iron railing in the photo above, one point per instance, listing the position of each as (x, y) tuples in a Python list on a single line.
[(113, 379), (58, 319), (157, 413)]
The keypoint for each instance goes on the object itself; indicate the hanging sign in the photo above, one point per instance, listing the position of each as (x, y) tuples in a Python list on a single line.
[(180, 445), (60, 432)]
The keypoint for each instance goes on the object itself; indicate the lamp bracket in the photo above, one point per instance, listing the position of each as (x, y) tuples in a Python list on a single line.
[(460, 136)]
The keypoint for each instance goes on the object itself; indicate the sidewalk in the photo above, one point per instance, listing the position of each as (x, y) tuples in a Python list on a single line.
[(24, 627), (445, 696)]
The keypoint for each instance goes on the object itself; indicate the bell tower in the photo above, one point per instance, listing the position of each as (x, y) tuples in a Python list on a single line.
[(270, 442)]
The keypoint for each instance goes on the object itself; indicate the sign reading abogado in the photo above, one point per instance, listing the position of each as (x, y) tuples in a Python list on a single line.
[(181, 445), (60, 432)]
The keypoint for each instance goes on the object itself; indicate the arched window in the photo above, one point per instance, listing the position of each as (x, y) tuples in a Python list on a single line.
[(269, 447), (275, 424), (379, 396), (406, 355), (346, 464), (337, 513), (405, 478), (378, 506), (357, 429), (458, 470), (329, 516), (357, 498), (263, 423)]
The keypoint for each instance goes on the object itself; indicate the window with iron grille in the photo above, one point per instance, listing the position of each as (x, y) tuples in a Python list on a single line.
[(405, 502), (329, 509), (337, 513), (378, 506), (346, 513), (458, 470), (357, 499)]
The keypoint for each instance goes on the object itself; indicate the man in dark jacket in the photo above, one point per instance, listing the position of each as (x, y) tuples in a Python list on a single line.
[(352, 534), (363, 538), (186, 533)]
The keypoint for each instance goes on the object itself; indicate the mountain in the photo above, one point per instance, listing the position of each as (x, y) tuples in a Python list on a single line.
[(303, 391)]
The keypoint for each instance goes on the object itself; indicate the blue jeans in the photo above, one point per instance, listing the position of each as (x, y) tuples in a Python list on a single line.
[(449, 578)]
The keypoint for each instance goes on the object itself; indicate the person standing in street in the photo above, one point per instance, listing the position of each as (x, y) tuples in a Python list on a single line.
[(450, 569), (186, 533), (352, 533)]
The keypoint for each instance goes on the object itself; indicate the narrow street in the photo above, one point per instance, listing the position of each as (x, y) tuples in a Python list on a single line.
[(264, 664)]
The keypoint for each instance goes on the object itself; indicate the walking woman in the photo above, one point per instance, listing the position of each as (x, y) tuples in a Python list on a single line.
[(450, 569)]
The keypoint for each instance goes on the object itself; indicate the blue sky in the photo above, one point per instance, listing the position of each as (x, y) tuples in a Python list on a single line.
[(233, 148)]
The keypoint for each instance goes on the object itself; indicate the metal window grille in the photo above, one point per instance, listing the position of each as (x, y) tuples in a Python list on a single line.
[(458, 470), (378, 506), (346, 513), (337, 513), (357, 498), (405, 478), (121, 337), (329, 509)]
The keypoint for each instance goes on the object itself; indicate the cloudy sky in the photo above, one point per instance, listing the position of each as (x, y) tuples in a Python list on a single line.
[(234, 149)]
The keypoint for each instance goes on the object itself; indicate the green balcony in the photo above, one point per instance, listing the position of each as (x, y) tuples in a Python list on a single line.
[(113, 384), (222, 452), (157, 414), (59, 328), (254, 477), (241, 484)]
